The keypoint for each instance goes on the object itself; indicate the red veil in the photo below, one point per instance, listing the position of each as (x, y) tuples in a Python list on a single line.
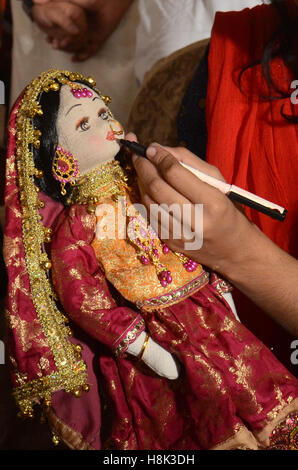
[(45, 360)]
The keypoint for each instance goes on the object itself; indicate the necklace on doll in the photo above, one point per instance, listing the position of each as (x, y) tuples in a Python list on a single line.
[(109, 179), (150, 248)]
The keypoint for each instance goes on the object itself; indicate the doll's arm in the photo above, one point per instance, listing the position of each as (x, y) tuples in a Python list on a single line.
[(85, 296), (82, 287)]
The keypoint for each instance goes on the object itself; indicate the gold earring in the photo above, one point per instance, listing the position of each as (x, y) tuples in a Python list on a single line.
[(65, 168)]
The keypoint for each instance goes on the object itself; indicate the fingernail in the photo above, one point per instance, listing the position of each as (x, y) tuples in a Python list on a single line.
[(151, 151)]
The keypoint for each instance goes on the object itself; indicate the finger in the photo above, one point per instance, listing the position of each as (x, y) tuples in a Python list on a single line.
[(85, 4), (186, 156), (90, 49), (182, 180), (68, 18), (131, 137), (155, 186), (55, 43), (64, 22), (172, 222), (63, 43)]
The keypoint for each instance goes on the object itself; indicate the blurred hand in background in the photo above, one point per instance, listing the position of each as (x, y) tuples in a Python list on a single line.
[(78, 26)]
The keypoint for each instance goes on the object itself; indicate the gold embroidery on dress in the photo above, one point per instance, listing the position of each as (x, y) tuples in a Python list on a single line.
[(211, 375), (282, 403), (27, 332), (12, 130), (16, 286), (244, 374), (12, 249), (21, 378), (94, 300), (75, 274), (75, 245), (10, 168), (44, 364)]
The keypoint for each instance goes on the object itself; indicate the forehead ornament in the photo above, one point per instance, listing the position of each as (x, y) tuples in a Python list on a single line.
[(81, 93)]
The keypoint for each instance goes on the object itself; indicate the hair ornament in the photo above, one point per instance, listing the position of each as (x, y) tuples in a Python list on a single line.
[(81, 93)]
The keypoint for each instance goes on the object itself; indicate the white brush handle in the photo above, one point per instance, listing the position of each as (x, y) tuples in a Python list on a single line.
[(228, 188)]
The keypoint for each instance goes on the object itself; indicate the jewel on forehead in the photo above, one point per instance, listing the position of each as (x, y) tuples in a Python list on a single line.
[(82, 93)]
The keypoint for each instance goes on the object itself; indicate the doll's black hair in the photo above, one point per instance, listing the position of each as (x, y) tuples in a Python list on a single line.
[(283, 43), (44, 156)]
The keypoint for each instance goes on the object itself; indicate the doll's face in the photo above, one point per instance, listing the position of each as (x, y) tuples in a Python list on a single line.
[(86, 129)]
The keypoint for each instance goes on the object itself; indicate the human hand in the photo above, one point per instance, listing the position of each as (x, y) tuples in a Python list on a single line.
[(226, 231), (155, 356), (103, 18), (64, 24)]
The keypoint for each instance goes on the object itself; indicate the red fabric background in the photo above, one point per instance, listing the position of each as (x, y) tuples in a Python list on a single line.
[(250, 142)]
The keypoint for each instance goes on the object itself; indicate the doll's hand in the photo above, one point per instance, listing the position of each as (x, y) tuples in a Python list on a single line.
[(156, 357)]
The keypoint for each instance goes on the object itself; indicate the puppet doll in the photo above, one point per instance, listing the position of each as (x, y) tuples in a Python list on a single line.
[(177, 370)]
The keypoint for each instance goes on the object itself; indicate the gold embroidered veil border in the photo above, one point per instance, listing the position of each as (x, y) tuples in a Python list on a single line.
[(43, 358)]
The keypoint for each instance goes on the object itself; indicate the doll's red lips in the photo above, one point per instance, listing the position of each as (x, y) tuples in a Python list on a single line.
[(110, 135)]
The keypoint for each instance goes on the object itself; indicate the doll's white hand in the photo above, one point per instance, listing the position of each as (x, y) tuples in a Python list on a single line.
[(155, 356)]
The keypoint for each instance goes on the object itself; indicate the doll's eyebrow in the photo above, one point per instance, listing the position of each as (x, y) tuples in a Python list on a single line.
[(79, 104), (95, 98)]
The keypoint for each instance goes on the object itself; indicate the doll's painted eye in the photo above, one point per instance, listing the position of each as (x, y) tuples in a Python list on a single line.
[(103, 114), (83, 124)]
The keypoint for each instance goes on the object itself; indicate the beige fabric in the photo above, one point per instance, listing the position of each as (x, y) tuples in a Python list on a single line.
[(242, 440), (168, 25), (154, 112), (73, 439)]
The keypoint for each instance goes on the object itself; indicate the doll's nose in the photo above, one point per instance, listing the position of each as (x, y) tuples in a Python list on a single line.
[(116, 127)]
